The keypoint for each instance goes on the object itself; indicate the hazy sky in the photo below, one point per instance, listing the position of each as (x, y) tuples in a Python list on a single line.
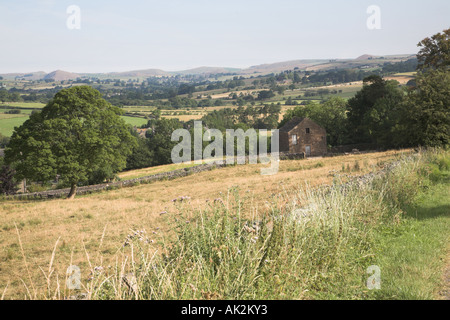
[(175, 35)]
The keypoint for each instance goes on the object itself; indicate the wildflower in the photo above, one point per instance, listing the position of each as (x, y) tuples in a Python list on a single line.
[(139, 235), (98, 269)]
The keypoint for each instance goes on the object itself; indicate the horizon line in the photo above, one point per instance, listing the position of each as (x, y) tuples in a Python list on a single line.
[(133, 69)]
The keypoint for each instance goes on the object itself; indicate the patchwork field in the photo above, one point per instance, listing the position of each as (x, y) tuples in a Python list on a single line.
[(9, 121), (89, 230), (403, 78), (347, 90)]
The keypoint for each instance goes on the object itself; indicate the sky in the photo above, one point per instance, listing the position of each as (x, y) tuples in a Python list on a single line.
[(181, 34)]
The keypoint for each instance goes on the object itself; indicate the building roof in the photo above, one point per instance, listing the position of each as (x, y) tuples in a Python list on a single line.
[(291, 124)]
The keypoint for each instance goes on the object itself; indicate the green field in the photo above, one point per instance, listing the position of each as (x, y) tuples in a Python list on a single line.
[(33, 105), (134, 121), (8, 122)]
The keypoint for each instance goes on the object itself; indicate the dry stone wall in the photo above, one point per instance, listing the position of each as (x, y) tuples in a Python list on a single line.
[(59, 193)]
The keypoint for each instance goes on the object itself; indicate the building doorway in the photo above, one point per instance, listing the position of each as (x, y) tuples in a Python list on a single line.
[(307, 151)]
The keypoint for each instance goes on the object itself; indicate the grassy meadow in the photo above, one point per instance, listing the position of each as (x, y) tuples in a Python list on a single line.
[(26, 105), (8, 122), (138, 173), (134, 121), (40, 239)]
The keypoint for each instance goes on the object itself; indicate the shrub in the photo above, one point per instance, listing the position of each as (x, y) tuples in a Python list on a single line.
[(438, 167), (36, 187), (13, 111)]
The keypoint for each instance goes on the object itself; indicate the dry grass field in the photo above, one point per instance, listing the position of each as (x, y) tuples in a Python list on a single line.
[(38, 238), (227, 94), (402, 78), (132, 174), (185, 117)]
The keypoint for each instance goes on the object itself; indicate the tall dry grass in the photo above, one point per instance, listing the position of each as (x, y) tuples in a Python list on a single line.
[(78, 225), (310, 243)]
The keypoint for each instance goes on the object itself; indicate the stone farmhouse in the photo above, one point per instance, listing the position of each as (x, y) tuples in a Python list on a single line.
[(302, 135)]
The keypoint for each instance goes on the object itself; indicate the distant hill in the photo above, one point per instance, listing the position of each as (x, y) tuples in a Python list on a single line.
[(27, 76), (281, 66), (60, 75), (365, 60), (324, 64), (209, 70), (136, 73), (366, 57), (159, 73)]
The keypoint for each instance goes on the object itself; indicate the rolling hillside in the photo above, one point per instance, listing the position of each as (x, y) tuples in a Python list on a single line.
[(311, 64)]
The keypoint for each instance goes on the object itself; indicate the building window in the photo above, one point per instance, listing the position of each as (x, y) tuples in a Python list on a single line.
[(307, 130), (294, 139)]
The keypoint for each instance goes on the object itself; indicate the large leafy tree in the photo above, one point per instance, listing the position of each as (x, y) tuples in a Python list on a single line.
[(373, 111), (142, 155), (426, 116), (160, 134), (435, 52), (426, 111), (77, 135)]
